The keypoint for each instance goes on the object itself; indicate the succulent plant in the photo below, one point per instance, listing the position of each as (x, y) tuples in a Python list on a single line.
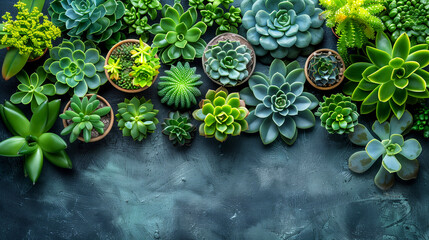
[(421, 119), (227, 62), (178, 128), (113, 68), (76, 65), (146, 65), (85, 115), (180, 87), (392, 75), (282, 106), (144, 7), (228, 21), (398, 156), (32, 90), (324, 69), (210, 13), (282, 28), (96, 20), (222, 114), (31, 138), (338, 114), (137, 118), (136, 19), (198, 4), (178, 34)]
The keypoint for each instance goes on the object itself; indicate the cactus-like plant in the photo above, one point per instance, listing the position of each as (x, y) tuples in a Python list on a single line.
[(338, 114), (75, 65), (398, 156), (32, 90), (421, 119), (282, 28), (136, 118), (178, 128), (222, 114), (180, 87), (282, 106), (227, 62), (85, 117), (324, 69)]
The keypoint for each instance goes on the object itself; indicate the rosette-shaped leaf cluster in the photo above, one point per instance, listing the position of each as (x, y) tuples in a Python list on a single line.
[(282, 106), (178, 128), (324, 69), (137, 118), (338, 114), (227, 62), (392, 75), (222, 114), (77, 65), (180, 88), (96, 20), (178, 34), (282, 28), (135, 16), (421, 119), (398, 156)]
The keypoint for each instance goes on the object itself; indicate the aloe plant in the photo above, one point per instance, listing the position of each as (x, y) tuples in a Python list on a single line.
[(390, 77), (324, 69), (398, 156), (178, 128), (31, 138)]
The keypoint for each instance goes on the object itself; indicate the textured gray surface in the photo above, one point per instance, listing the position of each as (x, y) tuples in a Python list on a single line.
[(121, 189)]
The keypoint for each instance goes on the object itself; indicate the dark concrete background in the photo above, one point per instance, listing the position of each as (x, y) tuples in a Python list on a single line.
[(240, 189)]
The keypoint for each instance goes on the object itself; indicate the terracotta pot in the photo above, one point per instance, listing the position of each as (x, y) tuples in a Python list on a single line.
[(234, 37), (340, 74), (112, 119), (107, 74), (37, 58)]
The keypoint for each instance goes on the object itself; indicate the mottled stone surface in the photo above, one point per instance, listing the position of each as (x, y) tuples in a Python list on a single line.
[(121, 189)]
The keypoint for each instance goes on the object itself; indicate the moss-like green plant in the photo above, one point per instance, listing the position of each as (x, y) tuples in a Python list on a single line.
[(222, 114), (137, 118), (178, 128), (324, 69), (421, 119), (180, 87)]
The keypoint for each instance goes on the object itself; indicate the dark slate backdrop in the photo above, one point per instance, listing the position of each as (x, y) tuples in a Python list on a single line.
[(240, 189)]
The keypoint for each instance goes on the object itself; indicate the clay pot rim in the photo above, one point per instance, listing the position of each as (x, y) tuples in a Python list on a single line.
[(107, 74), (235, 37), (341, 73), (112, 119)]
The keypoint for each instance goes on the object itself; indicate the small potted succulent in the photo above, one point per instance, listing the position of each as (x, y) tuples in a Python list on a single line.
[(229, 60), (324, 69), (88, 120), (179, 129), (132, 66)]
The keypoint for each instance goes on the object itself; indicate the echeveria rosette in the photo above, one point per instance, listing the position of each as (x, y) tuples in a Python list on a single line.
[(398, 156), (392, 75), (75, 65), (95, 20), (177, 36), (282, 106), (324, 69), (178, 128), (282, 28)]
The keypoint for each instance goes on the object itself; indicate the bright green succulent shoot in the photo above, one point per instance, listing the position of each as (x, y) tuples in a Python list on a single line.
[(32, 90), (178, 34), (390, 77), (282, 106), (222, 114), (338, 114), (143, 75), (137, 118), (398, 156), (31, 138), (136, 23), (178, 128), (210, 13), (85, 115), (227, 62), (228, 21), (146, 65), (421, 119), (113, 68), (180, 87), (324, 69), (198, 4)]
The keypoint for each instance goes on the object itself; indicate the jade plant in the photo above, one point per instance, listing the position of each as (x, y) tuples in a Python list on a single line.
[(180, 88), (421, 119), (398, 156), (324, 69), (75, 66), (225, 16), (137, 118), (27, 37), (282, 28), (31, 138), (222, 114), (390, 77), (32, 89), (95, 20), (338, 114), (282, 106), (178, 128), (84, 117), (178, 34), (227, 62)]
